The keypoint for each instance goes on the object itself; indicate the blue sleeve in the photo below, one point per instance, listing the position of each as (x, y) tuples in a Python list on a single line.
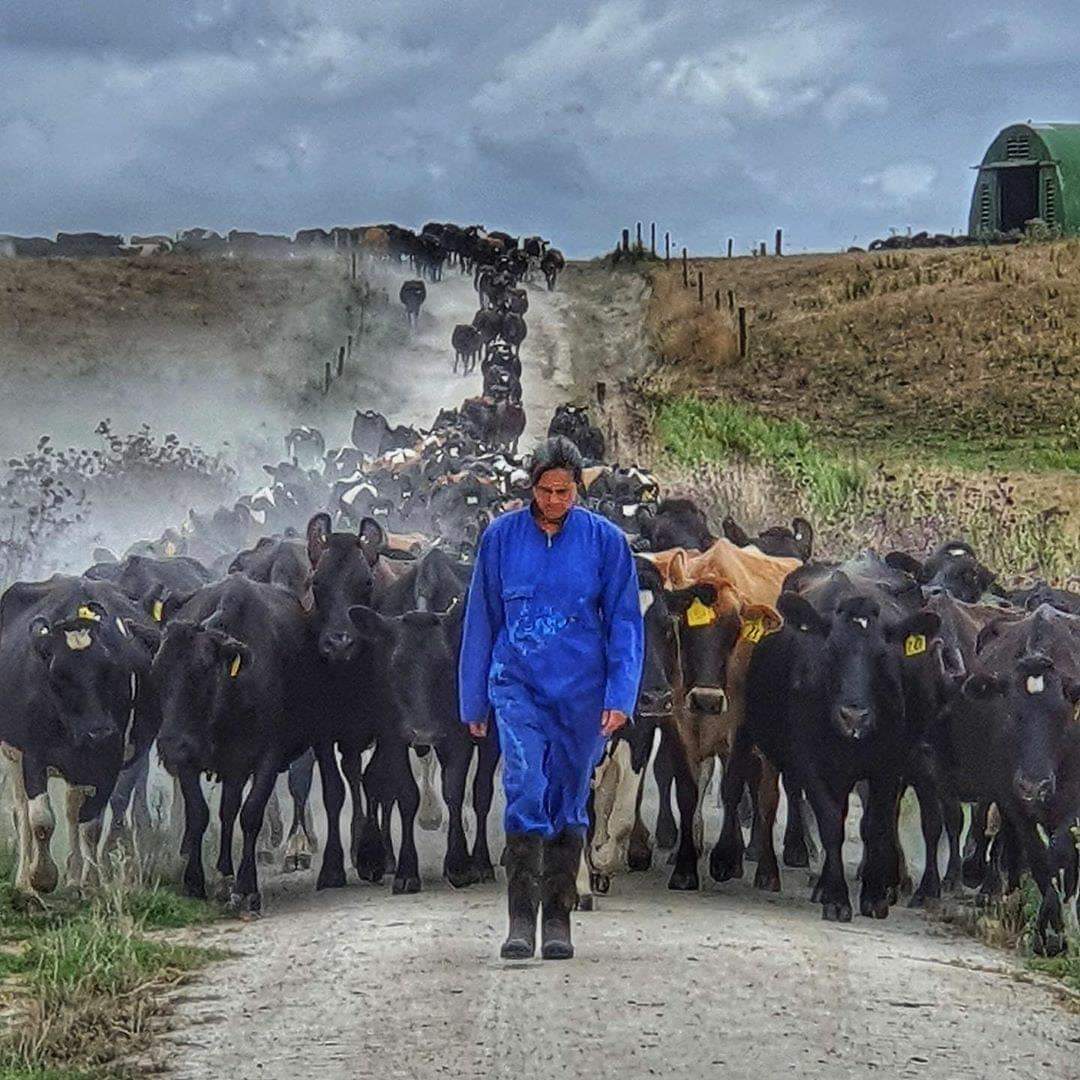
[(483, 621), (623, 625)]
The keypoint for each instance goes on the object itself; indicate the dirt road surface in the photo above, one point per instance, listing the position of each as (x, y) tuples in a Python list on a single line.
[(733, 982)]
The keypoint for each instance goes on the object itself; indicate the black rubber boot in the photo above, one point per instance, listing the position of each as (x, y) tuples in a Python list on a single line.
[(523, 889), (562, 855)]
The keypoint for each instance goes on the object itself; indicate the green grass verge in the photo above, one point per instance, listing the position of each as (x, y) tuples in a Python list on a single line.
[(83, 979), (693, 431)]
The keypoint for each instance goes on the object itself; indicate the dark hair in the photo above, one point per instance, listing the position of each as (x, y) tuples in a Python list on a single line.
[(558, 452)]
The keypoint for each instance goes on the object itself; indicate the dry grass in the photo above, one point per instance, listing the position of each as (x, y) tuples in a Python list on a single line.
[(681, 327)]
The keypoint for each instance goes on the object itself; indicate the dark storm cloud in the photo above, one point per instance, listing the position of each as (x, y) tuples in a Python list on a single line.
[(835, 120)]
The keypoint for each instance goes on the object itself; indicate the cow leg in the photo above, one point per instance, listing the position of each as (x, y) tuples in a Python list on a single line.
[(430, 817), (74, 798), (177, 825), (685, 875), (386, 812), (43, 874), (954, 825), (831, 891), (196, 818), (882, 857), (20, 813), (483, 793), (369, 852), (332, 872), (931, 818), (130, 778), (457, 866), (704, 778), (726, 858), (272, 831), (585, 900), (1061, 867), (666, 831), (231, 793), (796, 848), (639, 849), (767, 875), (302, 844), (407, 875), (975, 850), (246, 899)]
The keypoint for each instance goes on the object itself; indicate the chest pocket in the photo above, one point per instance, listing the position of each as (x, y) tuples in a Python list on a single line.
[(530, 625)]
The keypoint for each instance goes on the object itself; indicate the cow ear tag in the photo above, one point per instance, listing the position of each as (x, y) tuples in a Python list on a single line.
[(159, 610), (234, 667), (170, 549), (698, 614), (914, 644), (88, 613), (753, 630)]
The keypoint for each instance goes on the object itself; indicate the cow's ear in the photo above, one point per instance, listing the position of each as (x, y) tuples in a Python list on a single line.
[(987, 634), (983, 685), (804, 532), (1071, 689), (233, 654), (735, 532), (42, 639), (370, 624), (680, 600), (920, 624), (372, 539), (908, 564), (761, 615), (318, 537), (801, 614)]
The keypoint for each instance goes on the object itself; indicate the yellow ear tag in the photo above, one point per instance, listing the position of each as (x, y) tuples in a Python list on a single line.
[(699, 614), (170, 549), (753, 630), (88, 613), (234, 667), (159, 610), (914, 644)]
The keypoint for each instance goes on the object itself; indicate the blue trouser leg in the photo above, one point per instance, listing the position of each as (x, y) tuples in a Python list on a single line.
[(524, 745)]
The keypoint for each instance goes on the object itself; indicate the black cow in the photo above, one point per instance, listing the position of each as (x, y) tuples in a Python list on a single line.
[(552, 264), (827, 702), (488, 324), (513, 331), (413, 294), (74, 654), (678, 523), (1029, 679), (467, 343), (1041, 593), (231, 675), (777, 540), (952, 567), (572, 422), (281, 562)]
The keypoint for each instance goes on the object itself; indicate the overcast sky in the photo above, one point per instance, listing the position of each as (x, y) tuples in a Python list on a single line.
[(834, 120)]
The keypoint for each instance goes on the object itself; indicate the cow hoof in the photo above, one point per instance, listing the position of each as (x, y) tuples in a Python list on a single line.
[(371, 874), (723, 866), (684, 881), (1049, 942), (461, 878), (331, 878), (586, 903), (796, 855), (874, 909), (920, 898), (196, 890), (666, 835), (404, 885), (264, 858), (485, 872), (224, 892), (767, 880), (600, 883), (291, 864), (973, 873), (836, 912), (638, 860), (245, 905), (950, 884)]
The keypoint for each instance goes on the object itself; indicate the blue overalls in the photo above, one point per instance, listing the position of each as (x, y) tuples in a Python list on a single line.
[(553, 636)]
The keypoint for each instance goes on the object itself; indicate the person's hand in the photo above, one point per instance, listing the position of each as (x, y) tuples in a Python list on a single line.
[(478, 729), (611, 720)]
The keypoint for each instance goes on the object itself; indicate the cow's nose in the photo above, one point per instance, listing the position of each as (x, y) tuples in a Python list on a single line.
[(1035, 791), (336, 643), (656, 703), (708, 699), (852, 719)]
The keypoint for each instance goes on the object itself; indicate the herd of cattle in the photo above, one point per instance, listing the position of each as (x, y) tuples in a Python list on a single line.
[(318, 621)]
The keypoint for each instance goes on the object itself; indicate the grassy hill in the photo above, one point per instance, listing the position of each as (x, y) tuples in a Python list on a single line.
[(929, 391)]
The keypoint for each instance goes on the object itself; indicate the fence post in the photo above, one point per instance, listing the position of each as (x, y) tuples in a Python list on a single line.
[(743, 341), (730, 246), (601, 393), (701, 287), (348, 348), (762, 247), (341, 361), (626, 240), (667, 248), (731, 299), (685, 271), (639, 237), (717, 299), (652, 238), (326, 380), (779, 241)]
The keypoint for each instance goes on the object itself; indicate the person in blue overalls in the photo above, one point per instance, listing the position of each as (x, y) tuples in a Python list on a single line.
[(553, 642)]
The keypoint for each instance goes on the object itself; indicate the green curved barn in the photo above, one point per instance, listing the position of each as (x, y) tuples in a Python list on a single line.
[(1030, 171)]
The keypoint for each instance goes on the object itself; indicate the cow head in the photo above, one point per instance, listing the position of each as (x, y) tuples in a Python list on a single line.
[(342, 577), (849, 659), (953, 568), (1032, 666), (90, 664)]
